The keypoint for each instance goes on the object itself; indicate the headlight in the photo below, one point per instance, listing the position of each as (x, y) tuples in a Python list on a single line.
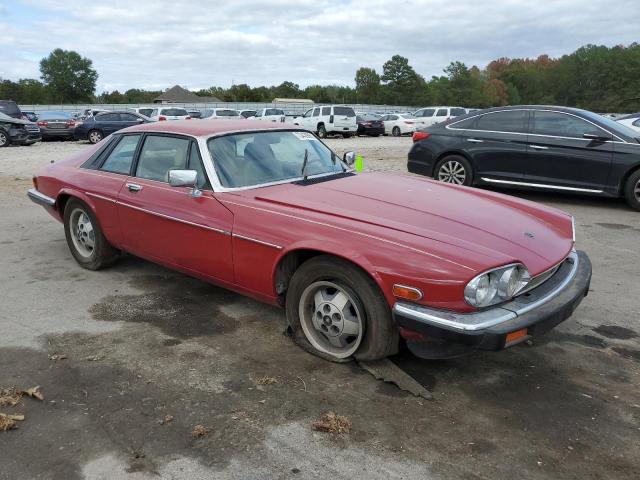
[(496, 286)]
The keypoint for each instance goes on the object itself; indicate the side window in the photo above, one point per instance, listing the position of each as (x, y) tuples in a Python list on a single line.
[(120, 158), (316, 112), (393, 117), (326, 110), (108, 117), (159, 154), (636, 123), (154, 112), (127, 117), (308, 113), (195, 163), (258, 113), (562, 125), (146, 111), (464, 124), (427, 112), (506, 121), (442, 112)]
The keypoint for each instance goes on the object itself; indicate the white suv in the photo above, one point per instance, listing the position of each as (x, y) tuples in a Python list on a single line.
[(432, 115), (169, 113), (329, 119), (269, 115)]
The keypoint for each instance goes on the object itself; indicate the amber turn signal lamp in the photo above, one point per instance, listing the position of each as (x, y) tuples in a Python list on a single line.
[(515, 337), (406, 293), (34, 179)]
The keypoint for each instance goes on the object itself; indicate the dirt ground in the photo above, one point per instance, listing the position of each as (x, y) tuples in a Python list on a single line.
[(151, 354)]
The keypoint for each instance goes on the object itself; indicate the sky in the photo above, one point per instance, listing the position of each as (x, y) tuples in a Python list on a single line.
[(156, 44)]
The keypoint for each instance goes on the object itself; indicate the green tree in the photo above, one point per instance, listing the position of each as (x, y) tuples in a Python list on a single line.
[(367, 85), (401, 82), (68, 76)]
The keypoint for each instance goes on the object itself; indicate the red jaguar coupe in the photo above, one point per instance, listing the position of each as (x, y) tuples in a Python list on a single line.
[(357, 260)]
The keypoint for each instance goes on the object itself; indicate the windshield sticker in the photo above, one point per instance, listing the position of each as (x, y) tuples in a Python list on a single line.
[(304, 135)]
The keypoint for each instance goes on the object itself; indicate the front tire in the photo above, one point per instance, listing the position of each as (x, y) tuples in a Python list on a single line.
[(340, 311), (454, 169), (85, 239), (396, 132), (94, 136), (322, 132), (4, 139), (632, 190)]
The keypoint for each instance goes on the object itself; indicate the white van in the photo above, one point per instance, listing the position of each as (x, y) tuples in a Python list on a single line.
[(329, 119)]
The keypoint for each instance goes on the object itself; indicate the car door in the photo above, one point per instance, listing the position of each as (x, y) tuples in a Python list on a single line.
[(109, 122), (562, 157), (390, 121), (497, 144), (168, 224)]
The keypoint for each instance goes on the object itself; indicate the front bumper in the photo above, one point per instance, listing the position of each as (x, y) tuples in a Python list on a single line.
[(537, 311)]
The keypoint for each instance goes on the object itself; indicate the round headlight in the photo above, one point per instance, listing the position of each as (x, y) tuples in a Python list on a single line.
[(496, 286)]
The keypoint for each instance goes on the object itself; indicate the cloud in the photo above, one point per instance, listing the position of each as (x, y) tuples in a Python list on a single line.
[(263, 42)]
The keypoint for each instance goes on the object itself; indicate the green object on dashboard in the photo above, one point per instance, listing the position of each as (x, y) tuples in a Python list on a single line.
[(359, 162)]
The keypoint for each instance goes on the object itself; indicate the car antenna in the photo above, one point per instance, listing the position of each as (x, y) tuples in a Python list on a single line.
[(304, 164)]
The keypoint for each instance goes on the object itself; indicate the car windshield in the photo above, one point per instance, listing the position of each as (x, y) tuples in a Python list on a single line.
[(174, 112), (256, 158), (54, 116), (612, 125)]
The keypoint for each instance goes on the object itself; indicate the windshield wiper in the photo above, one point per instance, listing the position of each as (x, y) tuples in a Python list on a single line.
[(304, 164)]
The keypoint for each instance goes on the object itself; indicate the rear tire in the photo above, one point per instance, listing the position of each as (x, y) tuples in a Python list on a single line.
[(85, 239), (4, 139), (632, 190), (454, 169), (322, 132), (94, 136), (396, 132), (326, 298)]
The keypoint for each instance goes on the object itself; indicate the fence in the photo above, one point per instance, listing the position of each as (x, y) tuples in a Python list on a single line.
[(289, 108)]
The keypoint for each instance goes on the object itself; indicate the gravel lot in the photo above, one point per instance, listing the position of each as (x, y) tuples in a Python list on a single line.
[(142, 342)]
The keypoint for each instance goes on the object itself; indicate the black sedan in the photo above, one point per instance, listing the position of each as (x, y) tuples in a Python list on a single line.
[(533, 147), (56, 125), (369, 125), (17, 131), (104, 124)]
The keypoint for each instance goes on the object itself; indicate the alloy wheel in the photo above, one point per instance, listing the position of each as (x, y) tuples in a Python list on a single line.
[(95, 137), (452, 171), (82, 233), (4, 140), (331, 319)]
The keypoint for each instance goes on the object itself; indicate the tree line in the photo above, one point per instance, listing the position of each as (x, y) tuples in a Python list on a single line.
[(598, 78)]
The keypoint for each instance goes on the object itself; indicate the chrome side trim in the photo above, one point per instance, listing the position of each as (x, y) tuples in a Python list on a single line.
[(95, 195), (474, 322), (540, 185), (175, 219), (255, 240), (40, 198)]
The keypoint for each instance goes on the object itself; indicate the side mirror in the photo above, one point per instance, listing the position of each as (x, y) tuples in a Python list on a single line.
[(594, 137), (349, 158), (185, 178)]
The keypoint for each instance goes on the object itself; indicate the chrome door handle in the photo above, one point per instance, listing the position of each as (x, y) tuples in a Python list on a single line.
[(539, 147), (475, 140), (133, 187)]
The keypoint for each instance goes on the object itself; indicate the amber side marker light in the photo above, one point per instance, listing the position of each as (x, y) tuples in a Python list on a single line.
[(516, 337), (407, 293), (34, 180)]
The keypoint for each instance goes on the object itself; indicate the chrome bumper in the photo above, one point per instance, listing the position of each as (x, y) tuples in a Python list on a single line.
[(40, 198), (477, 322)]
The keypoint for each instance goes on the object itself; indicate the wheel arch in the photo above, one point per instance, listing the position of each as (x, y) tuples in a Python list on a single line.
[(623, 181), (446, 153), (291, 259)]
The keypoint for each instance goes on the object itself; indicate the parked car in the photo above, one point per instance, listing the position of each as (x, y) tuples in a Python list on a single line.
[(10, 108), (247, 113), (17, 131), (632, 121), (432, 115), (102, 125), (535, 147), (58, 125), (162, 114), (330, 119), (269, 115), (195, 113), (370, 124), (90, 112), (397, 124), (356, 259), (218, 113), (146, 111)]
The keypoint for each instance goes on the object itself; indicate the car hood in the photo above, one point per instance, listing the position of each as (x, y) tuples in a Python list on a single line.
[(486, 229)]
